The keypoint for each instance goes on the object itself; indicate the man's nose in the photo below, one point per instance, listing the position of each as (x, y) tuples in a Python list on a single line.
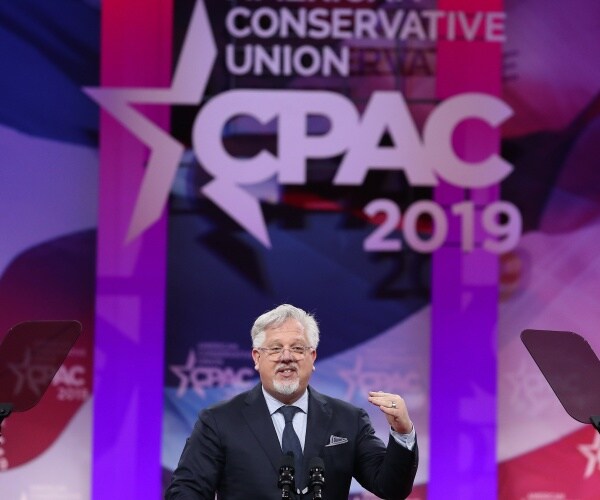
[(286, 354)]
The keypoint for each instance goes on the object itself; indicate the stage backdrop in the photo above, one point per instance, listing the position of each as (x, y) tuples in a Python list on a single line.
[(421, 175), (334, 149), (48, 216), (385, 165), (552, 278)]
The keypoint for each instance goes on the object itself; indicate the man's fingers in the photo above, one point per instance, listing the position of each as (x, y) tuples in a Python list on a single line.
[(386, 400)]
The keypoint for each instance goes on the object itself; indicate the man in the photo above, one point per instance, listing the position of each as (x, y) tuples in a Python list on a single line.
[(236, 448)]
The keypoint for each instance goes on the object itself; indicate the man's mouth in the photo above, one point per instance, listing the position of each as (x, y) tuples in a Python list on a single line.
[(286, 371)]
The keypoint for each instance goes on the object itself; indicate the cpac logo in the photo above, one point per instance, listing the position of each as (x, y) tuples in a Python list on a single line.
[(360, 381), (73, 376), (424, 159), (201, 378), (355, 137)]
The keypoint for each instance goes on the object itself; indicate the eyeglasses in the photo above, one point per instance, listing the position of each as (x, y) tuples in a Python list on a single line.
[(297, 351)]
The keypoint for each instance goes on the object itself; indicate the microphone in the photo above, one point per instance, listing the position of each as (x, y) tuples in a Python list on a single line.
[(286, 475), (316, 476)]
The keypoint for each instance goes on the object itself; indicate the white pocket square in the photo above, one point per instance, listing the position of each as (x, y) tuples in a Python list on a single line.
[(335, 440)]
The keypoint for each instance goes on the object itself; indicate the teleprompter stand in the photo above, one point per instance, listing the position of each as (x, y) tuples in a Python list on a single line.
[(572, 369), (30, 355)]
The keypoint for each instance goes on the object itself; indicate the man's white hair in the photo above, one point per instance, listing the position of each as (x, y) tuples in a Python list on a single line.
[(275, 317)]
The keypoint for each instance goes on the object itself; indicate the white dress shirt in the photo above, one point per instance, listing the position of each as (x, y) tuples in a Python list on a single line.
[(299, 422)]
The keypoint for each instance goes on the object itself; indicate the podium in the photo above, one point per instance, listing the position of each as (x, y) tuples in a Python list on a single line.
[(572, 369), (30, 355)]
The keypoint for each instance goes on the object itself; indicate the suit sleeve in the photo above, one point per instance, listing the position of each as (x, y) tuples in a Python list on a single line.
[(199, 470), (386, 472)]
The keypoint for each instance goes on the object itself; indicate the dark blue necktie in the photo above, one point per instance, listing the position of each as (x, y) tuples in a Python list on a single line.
[(291, 443)]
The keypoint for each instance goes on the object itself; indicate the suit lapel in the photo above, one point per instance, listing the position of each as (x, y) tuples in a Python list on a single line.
[(259, 420), (317, 426), (256, 414)]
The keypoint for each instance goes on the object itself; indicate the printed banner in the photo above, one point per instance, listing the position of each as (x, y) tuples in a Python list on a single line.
[(307, 178), (48, 132), (551, 279), (308, 147)]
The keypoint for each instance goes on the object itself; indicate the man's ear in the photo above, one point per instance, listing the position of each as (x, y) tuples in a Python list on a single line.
[(255, 358)]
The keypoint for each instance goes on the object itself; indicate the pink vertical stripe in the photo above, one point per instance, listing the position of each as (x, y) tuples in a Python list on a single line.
[(128, 374), (464, 296)]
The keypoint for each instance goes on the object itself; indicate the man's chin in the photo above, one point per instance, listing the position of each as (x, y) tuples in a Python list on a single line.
[(286, 388)]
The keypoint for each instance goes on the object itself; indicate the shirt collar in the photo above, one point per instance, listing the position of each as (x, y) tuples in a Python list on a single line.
[(274, 404)]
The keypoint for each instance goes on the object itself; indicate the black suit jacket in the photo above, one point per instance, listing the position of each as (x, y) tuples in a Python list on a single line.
[(234, 452)]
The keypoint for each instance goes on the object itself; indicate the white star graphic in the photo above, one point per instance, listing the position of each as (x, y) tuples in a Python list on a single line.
[(530, 392), (592, 453), (186, 374), (187, 87), (352, 377), (32, 377)]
